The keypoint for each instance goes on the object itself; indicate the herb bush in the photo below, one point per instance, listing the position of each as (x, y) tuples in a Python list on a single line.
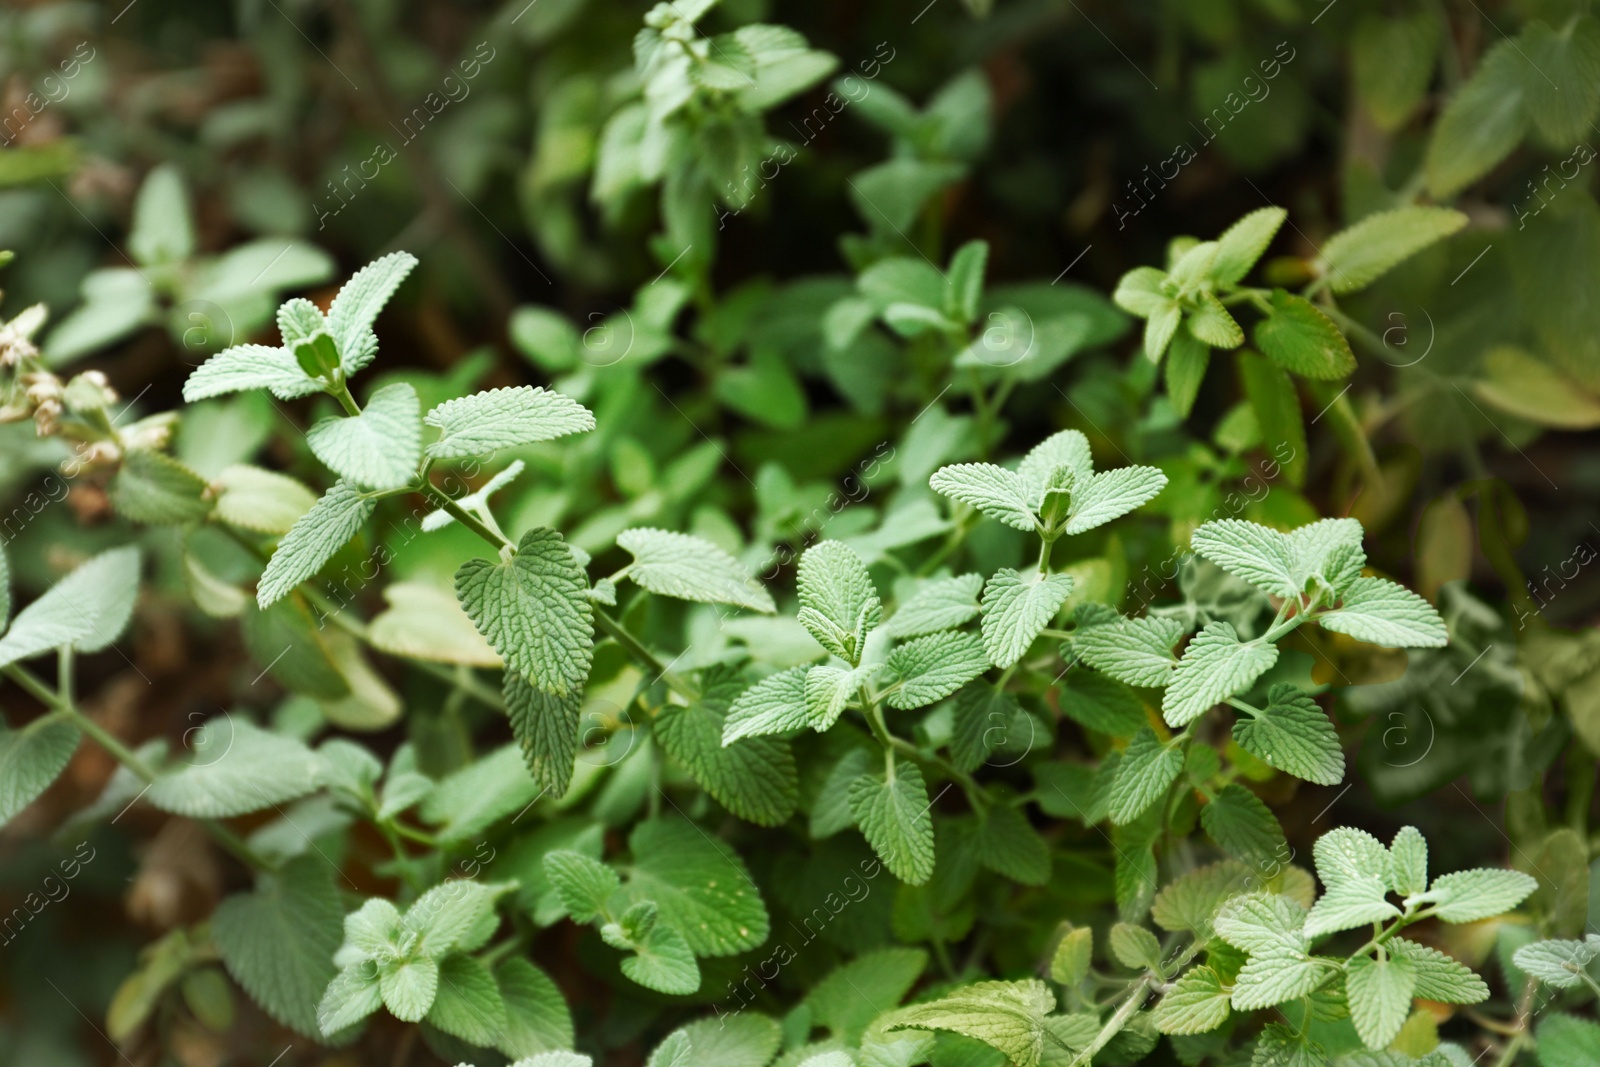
[(748, 535)]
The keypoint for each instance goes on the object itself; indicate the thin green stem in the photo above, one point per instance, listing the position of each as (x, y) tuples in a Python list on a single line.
[(341, 393), (1115, 1024), (1512, 1050), (636, 648), (465, 517), (124, 755)]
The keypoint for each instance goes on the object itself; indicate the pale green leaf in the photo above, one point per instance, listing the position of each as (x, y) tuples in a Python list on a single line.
[(1111, 494), (534, 609), (484, 422), (584, 884), (250, 367), (755, 778), (425, 622), (1136, 651), (742, 1039), (663, 961), (1064, 448), (468, 1003), (1016, 608), (1262, 924), (1147, 770), (352, 995), (1383, 613), (1243, 243), (1211, 324), (1215, 666), (356, 307), (278, 942), (1567, 1041), (837, 1004), (31, 758), (1356, 257), (1467, 896), (1101, 703), (1195, 1004), (1557, 962), (1008, 844), (1274, 977), (379, 448), (938, 604), (88, 609), (1069, 964), (261, 500), (996, 492), (691, 568), (1190, 901), (774, 705), (1293, 735), (473, 797), (1134, 947), (237, 768), (893, 814), (1008, 1016), (409, 987), (332, 521), (1348, 905), (1379, 993), (157, 490), (1441, 978), (838, 603), (1244, 827), (1408, 861), (537, 1017), (933, 667)]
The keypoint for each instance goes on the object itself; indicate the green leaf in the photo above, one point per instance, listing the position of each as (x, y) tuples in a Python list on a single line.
[(1379, 993), (1392, 61), (1187, 360), (278, 941), (468, 1003), (700, 885), (426, 622), (585, 885), (1563, 84), (1064, 448), (1283, 1046), (1243, 243), (998, 493), (155, 489), (455, 915), (1272, 397), (356, 307), (1110, 495), (1147, 770), (1482, 123), (261, 500), (1243, 827), (985, 719), (892, 812), (250, 367), (1191, 900), (938, 604), (1356, 257), (1215, 666), (1441, 978), (332, 521), (5, 590), (237, 768), (1008, 1016), (1017, 608), (31, 759), (931, 668), (774, 705), (1275, 562), (537, 1018), (1136, 651), (475, 796), (1529, 387), (742, 1039), (163, 230), (828, 689), (964, 281), (1211, 324), (1346, 855), (1008, 844), (1303, 340), (755, 778), (690, 568), (1467, 896), (1558, 963), (1262, 924), (1141, 292), (409, 987), (484, 422), (1275, 977), (1070, 962), (352, 995), (1101, 703), (837, 1004), (1195, 1004), (1293, 735), (662, 961), (838, 603), (1135, 947), (88, 609), (379, 448), (1567, 1041), (1383, 613), (1408, 861), (534, 609), (546, 726)]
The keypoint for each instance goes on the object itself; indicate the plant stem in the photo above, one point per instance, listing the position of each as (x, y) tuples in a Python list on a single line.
[(636, 648), (465, 517), (1513, 1048), (1114, 1025), (125, 756)]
